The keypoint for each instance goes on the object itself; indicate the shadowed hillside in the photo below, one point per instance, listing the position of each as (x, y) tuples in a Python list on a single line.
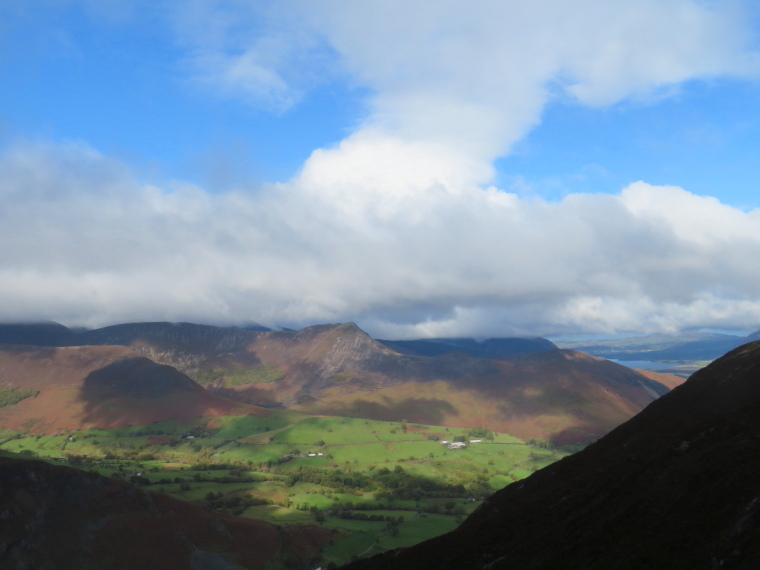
[(564, 396), (35, 334), (674, 488), (55, 517), (103, 386), (487, 348), (186, 346)]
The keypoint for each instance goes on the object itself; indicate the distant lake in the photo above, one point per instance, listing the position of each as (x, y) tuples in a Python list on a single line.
[(644, 364)]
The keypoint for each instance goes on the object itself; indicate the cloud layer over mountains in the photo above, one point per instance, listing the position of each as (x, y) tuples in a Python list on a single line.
[(397, 227), (82, 241)]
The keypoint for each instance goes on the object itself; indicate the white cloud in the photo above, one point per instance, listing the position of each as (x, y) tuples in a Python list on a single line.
[(473, 76), (257, 51), (83, 242), (396, 227)]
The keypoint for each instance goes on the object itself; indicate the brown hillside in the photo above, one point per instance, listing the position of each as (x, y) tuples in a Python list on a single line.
[(674, 488), (565, 396), (104, 386), (670, 381), (56, 517)]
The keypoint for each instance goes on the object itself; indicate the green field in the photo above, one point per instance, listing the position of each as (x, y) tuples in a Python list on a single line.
[(382, 484)]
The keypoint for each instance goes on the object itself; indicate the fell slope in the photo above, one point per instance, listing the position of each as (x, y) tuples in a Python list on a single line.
[(103, 386), (563, 396), (675, 487), (56, 517), (508, 385)]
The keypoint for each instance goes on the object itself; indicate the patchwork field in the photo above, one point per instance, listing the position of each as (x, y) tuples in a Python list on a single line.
[(381, 484)]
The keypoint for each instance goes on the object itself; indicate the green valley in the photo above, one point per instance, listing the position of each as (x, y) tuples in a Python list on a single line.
[(380, 484)]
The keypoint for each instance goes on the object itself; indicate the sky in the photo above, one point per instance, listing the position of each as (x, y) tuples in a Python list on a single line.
[(422, 168)]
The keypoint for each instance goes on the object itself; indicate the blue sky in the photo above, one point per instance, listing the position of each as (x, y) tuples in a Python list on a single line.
[(121, 85), (422, 168), (703, 139)]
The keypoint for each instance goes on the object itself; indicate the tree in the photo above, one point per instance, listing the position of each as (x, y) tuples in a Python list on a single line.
[(480, 432)]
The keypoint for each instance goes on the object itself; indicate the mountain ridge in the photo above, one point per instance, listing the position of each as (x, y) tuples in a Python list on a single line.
[(338, 369)]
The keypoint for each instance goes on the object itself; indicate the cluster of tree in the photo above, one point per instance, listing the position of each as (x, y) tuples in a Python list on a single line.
[(365, 517), (78, 460), (447, 508), (140, 479), (542, 443), (480, 433), (198, 431), (383, 482), (233, 477), (333, 478), (128, 455), (209, 466), (10, 395), (142, 432), (234, 504)]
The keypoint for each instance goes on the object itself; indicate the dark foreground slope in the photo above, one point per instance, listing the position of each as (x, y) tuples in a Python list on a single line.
[(55, 517), (676, 487)]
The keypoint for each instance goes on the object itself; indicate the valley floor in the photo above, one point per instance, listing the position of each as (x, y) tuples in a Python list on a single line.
[(382, 485)]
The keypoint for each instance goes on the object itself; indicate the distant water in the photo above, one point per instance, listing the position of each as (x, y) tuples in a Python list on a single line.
[(644, 364)]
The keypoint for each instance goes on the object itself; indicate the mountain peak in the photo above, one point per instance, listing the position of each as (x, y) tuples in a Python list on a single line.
[(42, 333)]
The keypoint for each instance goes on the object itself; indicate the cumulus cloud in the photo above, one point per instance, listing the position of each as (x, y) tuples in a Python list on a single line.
[(83, 242), (397, 227), (474, 76)]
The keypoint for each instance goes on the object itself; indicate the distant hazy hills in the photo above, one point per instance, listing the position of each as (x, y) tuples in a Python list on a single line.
[(526, 387), (660, 347), (675, 488), (486, 348)]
